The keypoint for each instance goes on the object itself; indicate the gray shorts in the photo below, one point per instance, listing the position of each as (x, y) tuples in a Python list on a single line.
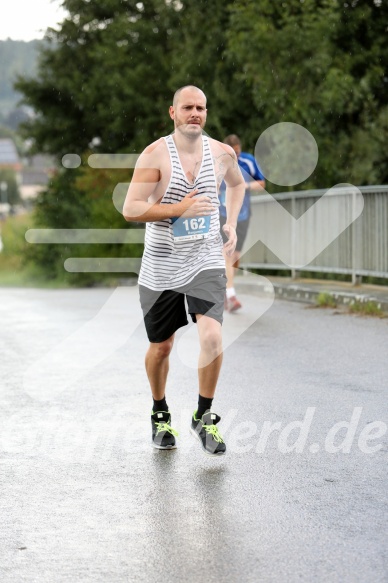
[(165, 311)]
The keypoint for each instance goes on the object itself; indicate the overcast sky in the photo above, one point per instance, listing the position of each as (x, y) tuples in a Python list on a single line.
[(28, 19)]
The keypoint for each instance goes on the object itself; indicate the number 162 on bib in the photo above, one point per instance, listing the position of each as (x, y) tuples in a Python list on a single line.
[(189, 229)]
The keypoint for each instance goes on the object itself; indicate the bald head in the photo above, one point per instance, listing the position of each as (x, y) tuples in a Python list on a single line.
[(186, 89), (189, 111)]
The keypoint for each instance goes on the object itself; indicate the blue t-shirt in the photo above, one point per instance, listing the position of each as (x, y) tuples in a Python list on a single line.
[(251, 172)]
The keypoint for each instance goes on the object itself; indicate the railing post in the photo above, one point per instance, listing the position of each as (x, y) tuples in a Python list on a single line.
[(294, 272), (356, 279)]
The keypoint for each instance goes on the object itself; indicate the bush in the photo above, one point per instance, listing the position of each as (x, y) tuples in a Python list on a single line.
[(80, 199)]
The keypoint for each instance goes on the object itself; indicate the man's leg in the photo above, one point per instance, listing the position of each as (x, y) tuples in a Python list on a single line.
[(164, 312), (157, 366), (210, 357), (231, 302), (203, 424)]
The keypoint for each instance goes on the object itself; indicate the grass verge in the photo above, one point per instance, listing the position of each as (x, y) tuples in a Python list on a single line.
[(367, 308), (14, 270), (326, 300)]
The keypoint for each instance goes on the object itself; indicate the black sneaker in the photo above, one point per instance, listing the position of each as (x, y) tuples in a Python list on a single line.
[(206, 432), (162, 432)]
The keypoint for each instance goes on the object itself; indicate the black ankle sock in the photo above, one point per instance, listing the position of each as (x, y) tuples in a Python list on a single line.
[(160, 405), (203, 405)]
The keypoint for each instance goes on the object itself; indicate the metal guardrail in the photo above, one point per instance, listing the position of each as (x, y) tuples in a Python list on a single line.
[(360, 250)]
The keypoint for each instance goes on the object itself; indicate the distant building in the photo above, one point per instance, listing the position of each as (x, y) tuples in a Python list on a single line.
[(9, 161), (32, 175), (35, 176), (9, 157)]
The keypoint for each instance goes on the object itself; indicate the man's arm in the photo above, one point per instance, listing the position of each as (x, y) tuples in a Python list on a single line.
[(235, 192), (146, 178)]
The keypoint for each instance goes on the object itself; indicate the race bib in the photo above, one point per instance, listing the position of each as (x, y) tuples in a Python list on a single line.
[(189, 229)]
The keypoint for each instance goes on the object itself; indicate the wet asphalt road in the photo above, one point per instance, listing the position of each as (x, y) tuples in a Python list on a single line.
[(85, 498)]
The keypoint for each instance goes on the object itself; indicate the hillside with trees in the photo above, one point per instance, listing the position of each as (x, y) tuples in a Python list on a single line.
[(16, 58)]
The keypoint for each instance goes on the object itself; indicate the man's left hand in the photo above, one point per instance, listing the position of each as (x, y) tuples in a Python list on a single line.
[(230, 245)]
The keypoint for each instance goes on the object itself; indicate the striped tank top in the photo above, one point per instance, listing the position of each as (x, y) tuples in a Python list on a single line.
[(168, 264)]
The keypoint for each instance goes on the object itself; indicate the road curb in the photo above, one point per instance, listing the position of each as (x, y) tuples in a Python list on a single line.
[(309, 295)]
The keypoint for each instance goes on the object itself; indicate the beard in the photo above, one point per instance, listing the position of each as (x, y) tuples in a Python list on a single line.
[(191, 131)]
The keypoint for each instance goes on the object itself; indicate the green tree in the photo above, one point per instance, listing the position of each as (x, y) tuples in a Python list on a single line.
[(360, 56), (79, 199), (102, 75), (319, 64), (202, 41), (59, 206), (281, 54)]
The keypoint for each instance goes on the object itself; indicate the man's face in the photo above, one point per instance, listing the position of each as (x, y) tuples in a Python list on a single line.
[(189, 113)]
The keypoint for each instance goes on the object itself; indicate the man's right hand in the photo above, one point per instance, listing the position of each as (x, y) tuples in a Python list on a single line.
[(195, 207)]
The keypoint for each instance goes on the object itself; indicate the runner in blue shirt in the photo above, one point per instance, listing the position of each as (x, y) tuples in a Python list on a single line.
[(255, 182)]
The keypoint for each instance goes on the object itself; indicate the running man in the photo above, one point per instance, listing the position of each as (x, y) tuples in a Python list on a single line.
[(174, 190), (254, 181)]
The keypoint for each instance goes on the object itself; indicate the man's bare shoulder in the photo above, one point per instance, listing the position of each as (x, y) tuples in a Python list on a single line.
[(152, 155), (221, 149), (157, 145)]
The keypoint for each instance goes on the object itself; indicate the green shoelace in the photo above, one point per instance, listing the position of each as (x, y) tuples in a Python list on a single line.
[(165, 426), (213, 430)]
